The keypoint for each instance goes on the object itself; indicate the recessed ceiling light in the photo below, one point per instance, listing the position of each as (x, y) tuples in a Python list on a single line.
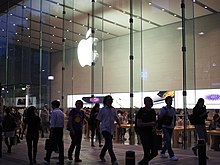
[(11, 14), (51, 48), (74, 9), (16, 33), (53, 35), (26, 18), (83, 25), (28, 28), (70, 20), (179, 28), (55, 16), (67, 30), (174, 15), (54, 27), (79, 34), (29, 36), (110, 6), (25, 7), (206, 7), (75, 41), (13, 24), (3, 30), (163, 9), (58, 3), (18, 40), (201, 33), (52, 42), (149, 3)]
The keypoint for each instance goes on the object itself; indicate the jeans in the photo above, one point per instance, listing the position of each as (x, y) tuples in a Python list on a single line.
[(167, 132), (108, 146), (32, 141)]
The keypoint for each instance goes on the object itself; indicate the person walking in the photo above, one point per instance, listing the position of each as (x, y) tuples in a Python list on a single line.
[(200, 115), (33, 125), (146, 128), (56, 132), (9, 125), (167, 116), (93, 125), (75, 126), (106, 117)]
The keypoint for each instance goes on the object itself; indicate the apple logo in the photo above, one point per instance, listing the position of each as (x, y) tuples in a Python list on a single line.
[(86, 55)]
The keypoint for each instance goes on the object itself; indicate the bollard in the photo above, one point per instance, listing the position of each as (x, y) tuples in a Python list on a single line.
[(130, 158), (202, 152)]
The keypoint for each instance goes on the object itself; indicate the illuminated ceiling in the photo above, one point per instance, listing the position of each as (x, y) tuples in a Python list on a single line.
[(26, 19)]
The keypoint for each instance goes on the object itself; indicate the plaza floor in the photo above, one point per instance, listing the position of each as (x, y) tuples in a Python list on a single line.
[(90, 155)]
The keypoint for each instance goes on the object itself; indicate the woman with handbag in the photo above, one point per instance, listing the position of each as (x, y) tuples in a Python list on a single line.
[(32, 123)]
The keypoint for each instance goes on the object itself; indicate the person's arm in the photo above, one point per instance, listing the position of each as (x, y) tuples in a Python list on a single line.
[(23, 130), (142, 124)]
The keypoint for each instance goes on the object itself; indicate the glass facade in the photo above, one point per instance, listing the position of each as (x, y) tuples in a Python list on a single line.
[(134, 49)]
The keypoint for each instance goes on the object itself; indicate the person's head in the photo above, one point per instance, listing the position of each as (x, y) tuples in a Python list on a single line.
[(200, 102), (168, 100), (108, 100), (79, 104), (55, 104), (97, 105), (148, 102), (31, 111)]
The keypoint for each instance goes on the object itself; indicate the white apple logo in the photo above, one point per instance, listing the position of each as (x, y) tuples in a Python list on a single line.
[(86, 55)]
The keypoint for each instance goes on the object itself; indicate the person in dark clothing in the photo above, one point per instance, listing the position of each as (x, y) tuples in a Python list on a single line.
[(93, 125), (146, 127), (56, 132), (200, 115), (75, 126), (9, 126), (32, 123)]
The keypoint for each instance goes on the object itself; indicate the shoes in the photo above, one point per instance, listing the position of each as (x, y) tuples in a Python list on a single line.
[(78, 160), (194, 151), (102, 159), (70, 157), (174, 158), (115, 163), (163, 156), (100, 145)]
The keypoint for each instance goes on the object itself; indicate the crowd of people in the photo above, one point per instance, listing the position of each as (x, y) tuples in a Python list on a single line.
[(101, 120)]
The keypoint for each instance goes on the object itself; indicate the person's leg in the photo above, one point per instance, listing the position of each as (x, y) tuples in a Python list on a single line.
[(35, 142), (29, 146), (164, 148), (108, 145), (98, 134), (146, 147), (72, 146), (168, 142), (92, 135), (153, 149), (60, 145), (105, 147), (78, 146)]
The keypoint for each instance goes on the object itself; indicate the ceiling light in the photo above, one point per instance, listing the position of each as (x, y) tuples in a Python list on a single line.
[(52, 42), (51, 48), (194, 1), (29, 36), (3, 30), (149, 22), (162, 9), (201, 33), (179, 28), (28, 28), (83, 25), (53, 35), (75, 41), (55, 16), (70, 20), (18, 40), (54, 27), (110, 6), (206, 7), (79, 34), (13, 24), (149, 3), (26, 18), (74, 9), (174, 15), (58, 3), (16, 33), (67, 30), (11, 14), (25, 7)]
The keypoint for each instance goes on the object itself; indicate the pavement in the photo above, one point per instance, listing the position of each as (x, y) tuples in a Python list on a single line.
[(90, 155)]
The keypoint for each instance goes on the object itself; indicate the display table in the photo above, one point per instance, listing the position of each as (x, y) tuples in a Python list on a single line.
[(180, 129)]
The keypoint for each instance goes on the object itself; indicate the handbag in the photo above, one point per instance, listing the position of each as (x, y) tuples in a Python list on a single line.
[(50, 145)]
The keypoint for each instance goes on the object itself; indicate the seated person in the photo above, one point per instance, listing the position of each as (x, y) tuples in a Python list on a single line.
[(215, 124)]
